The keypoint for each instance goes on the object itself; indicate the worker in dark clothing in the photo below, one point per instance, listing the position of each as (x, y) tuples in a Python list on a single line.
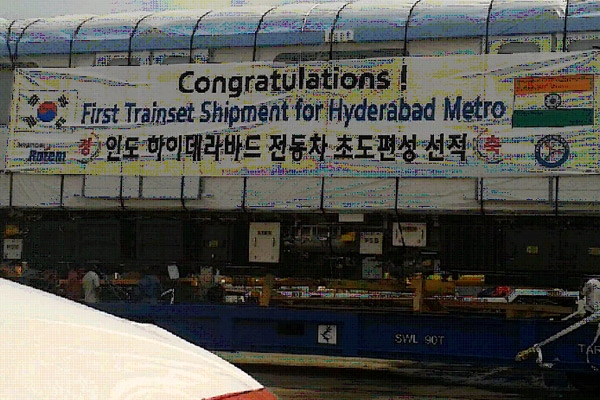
[(149, 287)]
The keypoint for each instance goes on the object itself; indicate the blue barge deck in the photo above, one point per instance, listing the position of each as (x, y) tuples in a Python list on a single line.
[(380, 334)]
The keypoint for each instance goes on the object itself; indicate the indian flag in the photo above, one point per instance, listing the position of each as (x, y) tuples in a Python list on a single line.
[(553, 101)]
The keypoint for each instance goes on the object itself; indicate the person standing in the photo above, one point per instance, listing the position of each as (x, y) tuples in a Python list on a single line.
[(149, 287), (91, 287)]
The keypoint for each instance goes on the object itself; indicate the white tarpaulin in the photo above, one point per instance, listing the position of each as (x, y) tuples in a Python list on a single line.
[(53, 348)]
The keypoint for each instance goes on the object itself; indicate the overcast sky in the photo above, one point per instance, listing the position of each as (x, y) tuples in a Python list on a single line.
[(13, 9)]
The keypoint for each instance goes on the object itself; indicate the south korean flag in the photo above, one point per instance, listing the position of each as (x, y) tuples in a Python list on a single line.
[(46, 109)]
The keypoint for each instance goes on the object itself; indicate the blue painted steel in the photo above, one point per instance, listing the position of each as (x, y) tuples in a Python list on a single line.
[(107, 33), (583, 15), (466, 18), (510, 17), (4, 23), (376, 334), (375, 21), (321, 18), (231, 27), (50, 36), (285, 26), (369, 20), (166, 30), (17, 28)]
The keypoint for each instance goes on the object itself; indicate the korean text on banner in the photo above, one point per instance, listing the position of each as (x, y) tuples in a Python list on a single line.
[(456, 116)]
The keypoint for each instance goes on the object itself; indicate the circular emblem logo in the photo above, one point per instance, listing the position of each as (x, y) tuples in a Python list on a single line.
[(489, 148), (552, 101), (46, 111), (89, 148), (552, 151)]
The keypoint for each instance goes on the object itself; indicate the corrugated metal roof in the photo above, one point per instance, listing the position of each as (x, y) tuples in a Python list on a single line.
[(167, 30)]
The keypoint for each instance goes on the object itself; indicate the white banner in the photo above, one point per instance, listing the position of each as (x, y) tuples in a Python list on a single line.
[(459, 116)]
